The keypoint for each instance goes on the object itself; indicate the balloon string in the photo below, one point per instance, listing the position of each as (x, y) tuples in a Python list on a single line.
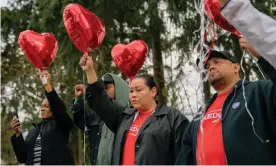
[(207, 32), (85, 127), (257, 66), (130, 79), (200, 7), (202, 71), (261, 71), (213, 41), (246, 106), (89, 50), (206, 35), (214, 36)]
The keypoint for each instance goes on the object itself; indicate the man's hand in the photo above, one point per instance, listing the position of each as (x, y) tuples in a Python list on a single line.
[(45, 78), (15, 124), (79, 90), (222, 2), (86, 63), (246, 45)]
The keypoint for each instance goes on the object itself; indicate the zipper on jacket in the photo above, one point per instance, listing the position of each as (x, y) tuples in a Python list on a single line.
[(235, 88), (41, 131), (197, 128), (226, 159)]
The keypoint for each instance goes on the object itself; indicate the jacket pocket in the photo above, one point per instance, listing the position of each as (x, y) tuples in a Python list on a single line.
[(104, 158)]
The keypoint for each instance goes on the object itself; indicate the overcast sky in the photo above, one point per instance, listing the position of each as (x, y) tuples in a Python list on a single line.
[(4, 2)]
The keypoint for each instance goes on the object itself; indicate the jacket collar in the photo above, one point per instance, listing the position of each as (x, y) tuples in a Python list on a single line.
[(47, 119), (42, 121), (237, 85), (160, 110)]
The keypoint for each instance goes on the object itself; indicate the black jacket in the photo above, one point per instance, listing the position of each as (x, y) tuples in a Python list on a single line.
[(241, 145), (94, 126), (159, 138), (54, 136)]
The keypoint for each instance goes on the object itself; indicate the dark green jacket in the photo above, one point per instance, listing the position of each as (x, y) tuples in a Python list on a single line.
[(107, 141), (241, 145)]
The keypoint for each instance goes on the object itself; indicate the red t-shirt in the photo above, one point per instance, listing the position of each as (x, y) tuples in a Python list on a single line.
[(210, 148), (129, 148)]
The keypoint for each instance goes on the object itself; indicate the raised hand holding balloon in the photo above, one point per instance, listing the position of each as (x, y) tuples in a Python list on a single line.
[(40, 49), (86, 31), (130, 58), (212, 9), (84, 28), (44, 80), (45, 77)]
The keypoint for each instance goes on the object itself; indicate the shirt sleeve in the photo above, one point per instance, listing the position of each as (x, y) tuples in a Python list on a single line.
[(258, 28)]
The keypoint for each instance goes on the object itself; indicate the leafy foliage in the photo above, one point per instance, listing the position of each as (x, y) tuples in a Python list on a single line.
[(168, 27)]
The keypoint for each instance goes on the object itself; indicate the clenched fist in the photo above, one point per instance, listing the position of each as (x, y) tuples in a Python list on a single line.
[(79, 90)]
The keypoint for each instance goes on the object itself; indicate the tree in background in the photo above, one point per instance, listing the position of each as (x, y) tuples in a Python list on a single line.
[(168, 27)]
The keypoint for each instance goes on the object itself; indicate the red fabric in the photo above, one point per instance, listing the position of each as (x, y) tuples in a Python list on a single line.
[(40, 49), (129, 148), (85, 29), (210, 148), (212, 9), (130, 58)]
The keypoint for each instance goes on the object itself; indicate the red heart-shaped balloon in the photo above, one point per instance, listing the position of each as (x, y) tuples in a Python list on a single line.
[(212, 9), (84, 28), (40, 49), (130, 58)]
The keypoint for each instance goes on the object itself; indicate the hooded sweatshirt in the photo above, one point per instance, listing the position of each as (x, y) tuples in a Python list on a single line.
[(107, 136), (100, 137)]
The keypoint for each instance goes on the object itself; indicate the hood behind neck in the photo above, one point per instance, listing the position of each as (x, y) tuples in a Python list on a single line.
[(121, 91)]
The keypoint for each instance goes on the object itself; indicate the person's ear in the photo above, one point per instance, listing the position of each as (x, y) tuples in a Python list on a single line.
[(153, 92), (237, 68)]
